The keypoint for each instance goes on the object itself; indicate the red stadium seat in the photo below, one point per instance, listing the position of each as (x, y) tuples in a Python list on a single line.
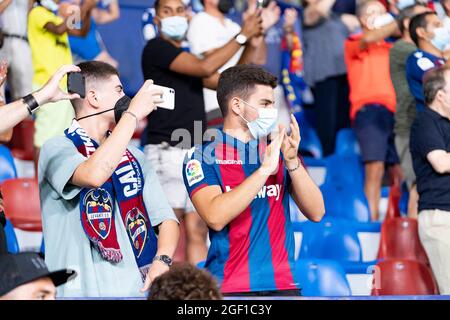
[(393, 208), (21, 201), (21, 144), (400, 240), (403, 277)]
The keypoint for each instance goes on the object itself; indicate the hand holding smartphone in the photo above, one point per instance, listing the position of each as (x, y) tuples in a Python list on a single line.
[(168, 97)]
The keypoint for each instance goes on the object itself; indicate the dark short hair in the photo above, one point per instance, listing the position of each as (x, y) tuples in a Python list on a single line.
[(157, 4), (407, 13), (433, 81), (418, 21), (185, 282), (95, 72), (241, 81)]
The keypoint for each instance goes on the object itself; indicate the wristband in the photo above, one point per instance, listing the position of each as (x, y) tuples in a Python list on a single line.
[(298, 166), (32, 104)]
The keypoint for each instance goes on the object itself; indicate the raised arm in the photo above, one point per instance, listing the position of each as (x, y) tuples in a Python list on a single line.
[(12, 113), (98, 168), (104, 16), (186, 63)]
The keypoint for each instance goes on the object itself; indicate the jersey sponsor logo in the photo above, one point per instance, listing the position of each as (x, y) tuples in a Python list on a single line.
[(194, 172), (425, 63), (272, 190), (240, 162)]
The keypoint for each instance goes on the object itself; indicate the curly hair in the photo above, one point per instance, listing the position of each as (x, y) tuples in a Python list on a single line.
[(185, 282)]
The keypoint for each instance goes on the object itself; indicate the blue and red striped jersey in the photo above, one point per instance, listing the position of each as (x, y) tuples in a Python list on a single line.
[(255, 252)]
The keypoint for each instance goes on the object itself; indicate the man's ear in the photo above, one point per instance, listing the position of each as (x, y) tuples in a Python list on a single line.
[(157, 21), (235, 105), (421, 33), (91, 97)]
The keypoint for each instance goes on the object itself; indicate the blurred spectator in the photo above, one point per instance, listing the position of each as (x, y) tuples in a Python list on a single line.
[(16, 49), (185, 282), (3, 247), (324, 34), (431, 38), (211, 29), (5, 135), (430, 150), (102, 204), (372, 96), (25, 276), (91, 47), (406, 106), (172, 132), (48, 36)]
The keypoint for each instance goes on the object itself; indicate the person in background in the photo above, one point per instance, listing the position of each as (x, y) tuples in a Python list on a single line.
[(172, 132), (431, 38), (430, 151), (324, 34), (48, 37), (406, 106), (25, 276), (185, 282), (16, 50), (91, 47), (211, 29), (372, 96), (240, 186)]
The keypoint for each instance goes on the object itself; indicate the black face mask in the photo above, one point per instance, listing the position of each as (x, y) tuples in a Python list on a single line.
[(225, 6), (119, 108)]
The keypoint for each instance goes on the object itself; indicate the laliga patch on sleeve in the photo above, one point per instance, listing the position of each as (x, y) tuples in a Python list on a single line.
[(194, 172), (425, 64)]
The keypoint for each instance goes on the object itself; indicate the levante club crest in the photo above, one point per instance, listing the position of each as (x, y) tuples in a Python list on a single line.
[(99, 211), (137, 230)]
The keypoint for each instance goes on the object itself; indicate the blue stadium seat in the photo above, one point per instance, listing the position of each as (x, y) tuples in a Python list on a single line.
[(11, 239), (346, 143), (323, 278), (7, 167), (334, 239), (347, 169), (345, 201)]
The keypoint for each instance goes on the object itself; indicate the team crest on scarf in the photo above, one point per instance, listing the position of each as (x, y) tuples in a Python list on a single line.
[(99, 211), (137, 229)]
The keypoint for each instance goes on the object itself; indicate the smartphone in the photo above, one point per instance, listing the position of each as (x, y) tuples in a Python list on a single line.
[(168, 97), (76, 84)]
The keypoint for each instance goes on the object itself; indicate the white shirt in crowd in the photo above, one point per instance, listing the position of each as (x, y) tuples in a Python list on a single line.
[(207, 33), (15, 18)]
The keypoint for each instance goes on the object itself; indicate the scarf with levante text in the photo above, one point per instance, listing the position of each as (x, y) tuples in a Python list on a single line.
[(97, 207)]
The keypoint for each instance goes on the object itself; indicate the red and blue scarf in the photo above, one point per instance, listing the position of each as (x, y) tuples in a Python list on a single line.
[(97, 207)]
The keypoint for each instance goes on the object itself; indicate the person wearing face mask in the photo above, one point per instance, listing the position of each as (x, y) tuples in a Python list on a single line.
[(406, 105), (104, 213), (48, 38), (372, 96), (430, 141), (170, 133), (211, 29), (240, 186), (431, 38)]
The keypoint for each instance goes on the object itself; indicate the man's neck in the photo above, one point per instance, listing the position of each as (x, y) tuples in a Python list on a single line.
[(442, 111), (213, 11), (235, 130), (428, 47), (95, 129), (407, 38)]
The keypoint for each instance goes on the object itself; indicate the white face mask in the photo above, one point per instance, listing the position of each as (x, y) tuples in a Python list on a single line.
[(382, 20), (264, 124), (441, 38), (50, 5), (402, 4), (174, 27)]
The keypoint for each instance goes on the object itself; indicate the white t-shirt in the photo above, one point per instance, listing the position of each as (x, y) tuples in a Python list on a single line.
[(207, 33)]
